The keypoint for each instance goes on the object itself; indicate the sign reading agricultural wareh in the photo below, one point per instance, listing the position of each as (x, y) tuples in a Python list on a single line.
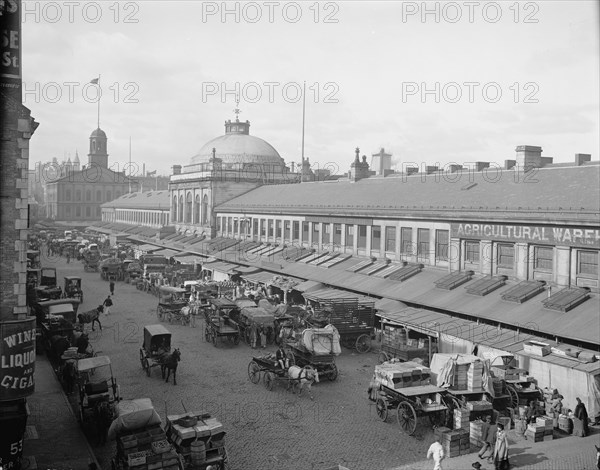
[(17, 359), (529, 234)]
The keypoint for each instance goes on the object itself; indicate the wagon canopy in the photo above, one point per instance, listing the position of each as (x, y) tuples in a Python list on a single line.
[(154, 335), (258, 315), (322, 341), (92, 362), (223, 303)]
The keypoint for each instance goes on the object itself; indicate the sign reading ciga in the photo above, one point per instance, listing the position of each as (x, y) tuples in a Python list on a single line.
[(17, 359), (529, 233)]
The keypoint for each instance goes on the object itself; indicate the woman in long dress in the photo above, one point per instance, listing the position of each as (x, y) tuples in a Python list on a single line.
[(501, 449), (581, 413)]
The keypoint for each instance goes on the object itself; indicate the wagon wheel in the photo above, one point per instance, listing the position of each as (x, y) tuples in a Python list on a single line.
[(438, 418), (363, 344), (254, 372), (147, 367), (236, 339), (381, 406), (383, 357), (514, 396), (333, 373), (407, 417), (215, 339), (268, 380)]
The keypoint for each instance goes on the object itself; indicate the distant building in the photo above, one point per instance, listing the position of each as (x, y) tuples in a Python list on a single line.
[(381, 163), (76, 195)]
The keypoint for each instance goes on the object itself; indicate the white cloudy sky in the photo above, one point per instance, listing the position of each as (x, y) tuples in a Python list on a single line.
[(550, 55)]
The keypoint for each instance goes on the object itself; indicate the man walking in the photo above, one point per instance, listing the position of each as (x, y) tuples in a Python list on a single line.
[(112, 287), (437, 452), (486, 434), (107, 305)]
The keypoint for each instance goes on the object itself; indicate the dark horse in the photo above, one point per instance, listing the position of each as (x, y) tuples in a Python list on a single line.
[(92, 317), (103, 417), (169, 363)]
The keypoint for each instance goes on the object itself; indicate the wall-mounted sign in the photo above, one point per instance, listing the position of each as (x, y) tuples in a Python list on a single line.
[(535, 234), (10, 59), (17, 359)]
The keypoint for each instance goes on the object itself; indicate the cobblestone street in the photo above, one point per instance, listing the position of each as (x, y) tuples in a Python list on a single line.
[(265, 429)]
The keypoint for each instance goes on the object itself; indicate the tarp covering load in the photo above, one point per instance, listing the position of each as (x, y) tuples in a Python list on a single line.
[(322, 341), (398, 375), (276, 310), (258, 315), (448, 371), (133, 415), (245, 303)]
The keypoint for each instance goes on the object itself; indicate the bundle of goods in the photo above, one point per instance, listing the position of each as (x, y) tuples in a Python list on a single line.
[(399, 375), (535, 432), (547, 422), (456, 443), (70, 353), (505, 373), (481, 405), (147, 450), (536, 348), (199, 438), (461, 418), (475, 376), (476, 432)]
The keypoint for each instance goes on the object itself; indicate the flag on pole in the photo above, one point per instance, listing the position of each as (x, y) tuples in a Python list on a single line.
[(151, 173), (95, 81)]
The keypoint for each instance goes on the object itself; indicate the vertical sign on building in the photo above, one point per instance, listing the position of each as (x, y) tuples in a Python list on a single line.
[(10, 59)]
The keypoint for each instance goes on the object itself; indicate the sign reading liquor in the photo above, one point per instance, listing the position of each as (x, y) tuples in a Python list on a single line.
[(17, 359), (565, 236)]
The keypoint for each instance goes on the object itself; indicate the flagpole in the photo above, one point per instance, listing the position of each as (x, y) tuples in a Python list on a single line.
[(99, 96), (303, 116), (129, 164)]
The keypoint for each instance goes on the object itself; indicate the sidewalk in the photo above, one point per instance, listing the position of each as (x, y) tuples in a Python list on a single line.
[(53, 440), (563, 453)]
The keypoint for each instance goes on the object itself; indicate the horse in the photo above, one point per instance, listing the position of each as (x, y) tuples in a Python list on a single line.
[(168, 363), (103, 418), (91, 317), (302, 377)]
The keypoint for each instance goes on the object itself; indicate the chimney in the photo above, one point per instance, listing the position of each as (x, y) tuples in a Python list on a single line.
[(508, 164), (581, 158), (479, 166), (176, 169), (529, 157), (455, 168)]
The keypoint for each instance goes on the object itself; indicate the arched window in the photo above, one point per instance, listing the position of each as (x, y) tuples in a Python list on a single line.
[(205, 210), (108, 196), (188, 208), (180, 217), (174, 209), (93, 145), (197, 209)]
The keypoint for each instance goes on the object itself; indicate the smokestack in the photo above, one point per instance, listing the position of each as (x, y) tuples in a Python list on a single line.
[(529, 156)]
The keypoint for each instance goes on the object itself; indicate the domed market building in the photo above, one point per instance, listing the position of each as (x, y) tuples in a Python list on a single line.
[(224, 168)]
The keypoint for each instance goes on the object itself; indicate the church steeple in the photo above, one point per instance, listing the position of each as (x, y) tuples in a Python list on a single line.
[(98, 155)]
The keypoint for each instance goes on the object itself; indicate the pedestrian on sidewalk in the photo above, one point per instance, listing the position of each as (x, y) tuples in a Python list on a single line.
[(108, 303), (253, 335), (263, 337), (112, 287), (501, 449), (437, 452), (581, 413)]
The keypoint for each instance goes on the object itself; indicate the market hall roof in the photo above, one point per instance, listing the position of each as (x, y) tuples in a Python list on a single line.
[(570, 194), (145, 200)]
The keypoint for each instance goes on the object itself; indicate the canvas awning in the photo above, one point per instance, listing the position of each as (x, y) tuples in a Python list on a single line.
[(309, 286), (148, 247), (327, 294), (389, 305), (261, 277), (167, 253)]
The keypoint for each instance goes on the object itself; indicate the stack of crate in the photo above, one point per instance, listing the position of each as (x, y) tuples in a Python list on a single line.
[(535, 432), (479, 405), (476, 433), (459, 381), (505, 373), (548, 423), (461, 418), (399, 375), (206, 430), (147, 450), (456, 443), (475, 376)]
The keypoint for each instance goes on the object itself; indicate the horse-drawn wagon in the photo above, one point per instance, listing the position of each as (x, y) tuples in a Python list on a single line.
[(218, 323), (271, 371), (254, 317), (316, 347), (156, 351), (95, 400), (73, 288), (170, 302), (405, 387)]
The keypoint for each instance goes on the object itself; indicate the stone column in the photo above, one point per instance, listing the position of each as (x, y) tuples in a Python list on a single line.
[(523, 261), (455, 254), (369, 248)]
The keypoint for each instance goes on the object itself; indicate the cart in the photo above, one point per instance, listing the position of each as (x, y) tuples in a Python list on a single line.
[(73, 288), (93, 393), (258, 316), (218, 323), (405, 387), (514, 380), (141, 441), (317, 347), (157, 342), (170, 302), (396, 345), (270, 370)]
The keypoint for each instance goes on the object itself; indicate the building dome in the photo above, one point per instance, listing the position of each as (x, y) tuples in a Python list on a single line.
[(98, 133), (237, 146)]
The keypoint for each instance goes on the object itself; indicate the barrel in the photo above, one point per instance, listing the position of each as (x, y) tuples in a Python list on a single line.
[(197, 452)]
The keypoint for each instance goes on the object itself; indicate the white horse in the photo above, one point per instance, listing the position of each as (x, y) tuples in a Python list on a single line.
[(302, 377)]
